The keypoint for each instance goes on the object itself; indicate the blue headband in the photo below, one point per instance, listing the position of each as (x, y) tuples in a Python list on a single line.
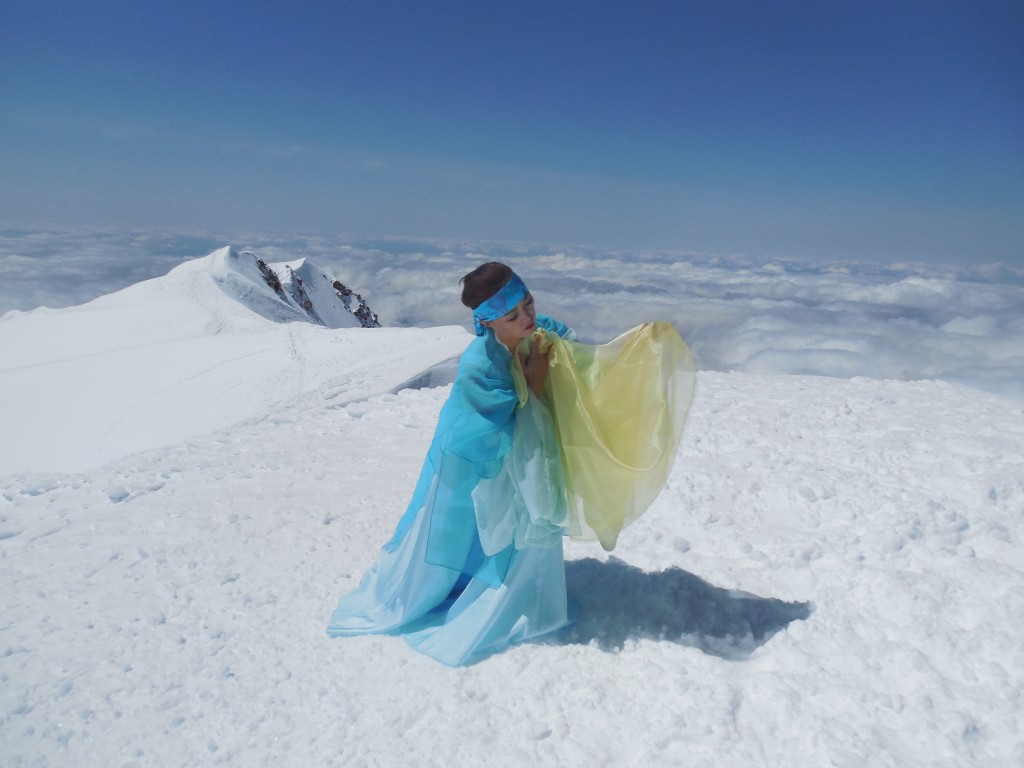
[(501, 303)]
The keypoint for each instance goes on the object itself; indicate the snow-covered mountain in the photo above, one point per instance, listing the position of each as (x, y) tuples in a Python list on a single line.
[(283, 292), (215, 341), (302, 286), (831, 577)]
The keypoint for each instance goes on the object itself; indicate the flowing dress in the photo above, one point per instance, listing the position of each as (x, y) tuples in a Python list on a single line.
[(476, 562)]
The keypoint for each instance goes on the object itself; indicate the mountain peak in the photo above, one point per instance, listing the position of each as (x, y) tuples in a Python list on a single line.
[(326, 300), (286, 291)]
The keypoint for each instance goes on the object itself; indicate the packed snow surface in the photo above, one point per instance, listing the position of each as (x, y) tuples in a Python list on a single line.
[(831, 577)]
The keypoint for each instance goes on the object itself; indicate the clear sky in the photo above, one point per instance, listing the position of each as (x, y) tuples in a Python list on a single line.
[(825, 129)]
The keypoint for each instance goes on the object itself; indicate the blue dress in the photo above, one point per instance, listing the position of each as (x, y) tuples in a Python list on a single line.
[(475, 564)]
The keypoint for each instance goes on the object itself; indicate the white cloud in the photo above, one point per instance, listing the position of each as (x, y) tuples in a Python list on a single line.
[(906, 321)]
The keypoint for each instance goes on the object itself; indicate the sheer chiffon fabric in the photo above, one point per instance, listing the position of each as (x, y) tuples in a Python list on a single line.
[(475, 563), (619, 410)]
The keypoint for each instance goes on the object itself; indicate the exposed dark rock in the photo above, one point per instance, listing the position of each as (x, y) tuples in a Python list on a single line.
[(269, 276), (367, 318), (294, 293)]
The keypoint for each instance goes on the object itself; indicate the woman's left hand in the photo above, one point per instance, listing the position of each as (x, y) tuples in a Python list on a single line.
[(535, 367)]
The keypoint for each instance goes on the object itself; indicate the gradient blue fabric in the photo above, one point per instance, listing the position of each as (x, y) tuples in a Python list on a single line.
[(475, 563)]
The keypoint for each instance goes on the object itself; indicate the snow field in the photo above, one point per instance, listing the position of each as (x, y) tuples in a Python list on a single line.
[(168, 608)]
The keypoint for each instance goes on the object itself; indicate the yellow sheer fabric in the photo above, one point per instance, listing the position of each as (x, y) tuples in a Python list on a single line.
[(618, 410)]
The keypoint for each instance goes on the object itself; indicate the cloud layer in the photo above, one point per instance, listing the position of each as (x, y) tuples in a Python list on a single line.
[(899, 321)]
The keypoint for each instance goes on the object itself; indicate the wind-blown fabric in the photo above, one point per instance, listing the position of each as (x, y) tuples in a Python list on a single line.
[(619, 410), (475, 563)]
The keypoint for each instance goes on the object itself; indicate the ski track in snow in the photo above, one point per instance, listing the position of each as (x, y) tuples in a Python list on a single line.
[(832, 577)]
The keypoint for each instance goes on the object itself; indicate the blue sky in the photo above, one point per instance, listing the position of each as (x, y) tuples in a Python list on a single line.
[(836, 130)]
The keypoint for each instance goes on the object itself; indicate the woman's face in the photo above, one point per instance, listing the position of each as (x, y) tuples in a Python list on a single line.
[(514, 326)]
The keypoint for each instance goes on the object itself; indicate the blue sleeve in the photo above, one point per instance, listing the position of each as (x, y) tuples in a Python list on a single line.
[(479, 418), (474, 434)]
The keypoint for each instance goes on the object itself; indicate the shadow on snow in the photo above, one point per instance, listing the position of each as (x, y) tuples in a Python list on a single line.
[(617, 602)]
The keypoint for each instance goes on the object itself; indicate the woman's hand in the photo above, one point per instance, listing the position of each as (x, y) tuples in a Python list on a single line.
[(535, 367)]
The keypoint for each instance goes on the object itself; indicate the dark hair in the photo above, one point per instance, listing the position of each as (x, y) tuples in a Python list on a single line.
[(483, 282)]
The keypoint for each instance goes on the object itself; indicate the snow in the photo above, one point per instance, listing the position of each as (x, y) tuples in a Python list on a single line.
[(208, 345), (831, 577)]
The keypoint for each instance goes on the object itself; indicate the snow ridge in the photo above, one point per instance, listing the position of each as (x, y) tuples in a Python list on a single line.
[(216, 341)]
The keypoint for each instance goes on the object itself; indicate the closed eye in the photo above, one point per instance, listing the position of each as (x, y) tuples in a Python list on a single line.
[(514, 314)]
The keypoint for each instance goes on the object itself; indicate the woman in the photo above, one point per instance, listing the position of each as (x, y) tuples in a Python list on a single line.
[(476, 563)]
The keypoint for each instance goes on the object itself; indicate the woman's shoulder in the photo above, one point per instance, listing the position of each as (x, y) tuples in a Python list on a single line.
[(485, 356), (484, 382), (555, 326)]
